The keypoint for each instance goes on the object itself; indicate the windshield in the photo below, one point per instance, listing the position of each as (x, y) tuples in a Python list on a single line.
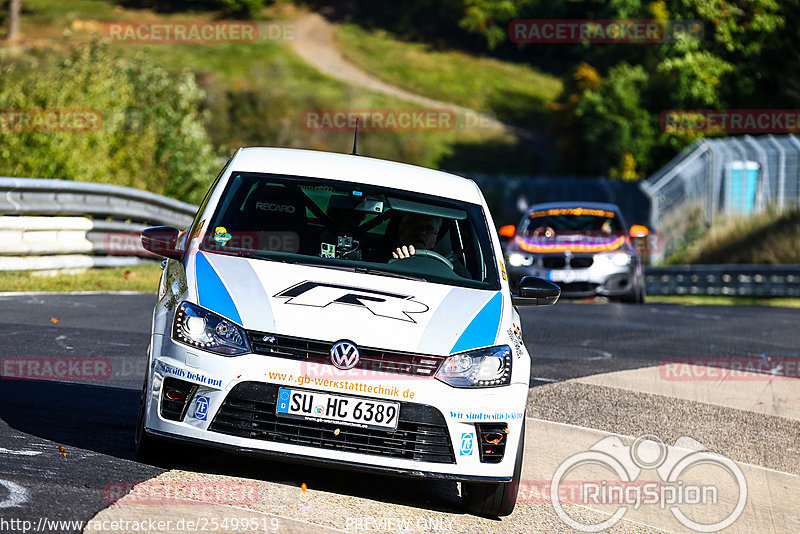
[(352, 226), (567, 222)]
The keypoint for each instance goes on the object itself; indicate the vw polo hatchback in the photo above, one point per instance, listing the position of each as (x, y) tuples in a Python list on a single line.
[(346, 311)]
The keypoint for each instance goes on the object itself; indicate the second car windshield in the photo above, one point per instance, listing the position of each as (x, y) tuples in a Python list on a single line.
[(551, 223), (351, 225)]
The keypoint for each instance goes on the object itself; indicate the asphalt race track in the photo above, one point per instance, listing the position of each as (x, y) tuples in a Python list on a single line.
[(595, 373)]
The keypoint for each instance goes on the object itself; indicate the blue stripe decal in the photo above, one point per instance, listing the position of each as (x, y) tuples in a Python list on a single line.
[(211, 292), (482, 331)]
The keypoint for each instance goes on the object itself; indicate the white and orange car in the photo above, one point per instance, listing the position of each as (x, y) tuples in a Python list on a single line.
[(584, 247)]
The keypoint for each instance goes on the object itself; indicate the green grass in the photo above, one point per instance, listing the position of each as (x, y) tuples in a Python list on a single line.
[(697, 300), (766, 238), (257, 93), (142, 278), (515, 93)]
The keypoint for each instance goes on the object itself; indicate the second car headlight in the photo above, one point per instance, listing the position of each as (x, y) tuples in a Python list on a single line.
[(518, 260), (487, 367), (206, 330), (621, 259)]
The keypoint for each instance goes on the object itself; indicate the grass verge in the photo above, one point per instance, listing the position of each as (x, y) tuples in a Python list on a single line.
[(142, 278), (765, 238), (700, 300)]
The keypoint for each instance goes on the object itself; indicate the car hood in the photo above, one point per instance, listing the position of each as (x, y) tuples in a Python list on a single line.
[(331, 305)]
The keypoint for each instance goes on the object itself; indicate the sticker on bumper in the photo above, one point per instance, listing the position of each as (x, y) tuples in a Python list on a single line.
[(466, 444), (200, 408)]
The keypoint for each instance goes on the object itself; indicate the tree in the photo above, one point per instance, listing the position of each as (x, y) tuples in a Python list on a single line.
[(147, 129), (13, 20)]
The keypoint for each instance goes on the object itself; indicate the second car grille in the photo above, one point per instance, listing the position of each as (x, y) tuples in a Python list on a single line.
[(249, 412), (554, 262), (581, 262), (559, 262), (310, 350)]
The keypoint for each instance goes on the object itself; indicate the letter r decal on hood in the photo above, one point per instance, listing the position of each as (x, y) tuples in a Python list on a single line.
[(380, 303)]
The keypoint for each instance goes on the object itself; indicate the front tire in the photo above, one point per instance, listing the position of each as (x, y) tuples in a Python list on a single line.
[(143, 444), (636, 296), (495, 500)]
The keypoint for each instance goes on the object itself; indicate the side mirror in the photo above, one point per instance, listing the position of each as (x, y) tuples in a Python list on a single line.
[(162, 241), (637, 230), (535, 291)]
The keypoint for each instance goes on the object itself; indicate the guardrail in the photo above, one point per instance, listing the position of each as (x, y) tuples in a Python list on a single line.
[(724, 280), (60, 224)]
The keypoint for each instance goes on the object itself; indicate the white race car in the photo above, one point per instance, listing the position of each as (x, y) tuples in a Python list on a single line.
[(346, 311)]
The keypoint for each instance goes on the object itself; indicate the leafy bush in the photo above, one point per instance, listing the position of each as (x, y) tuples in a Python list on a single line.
[(151, 135)]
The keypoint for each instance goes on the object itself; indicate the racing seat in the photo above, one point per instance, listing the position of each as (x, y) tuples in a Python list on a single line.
[(277, 215)]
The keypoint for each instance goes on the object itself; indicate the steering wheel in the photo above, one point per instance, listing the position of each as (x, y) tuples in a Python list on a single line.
[(428, 254)]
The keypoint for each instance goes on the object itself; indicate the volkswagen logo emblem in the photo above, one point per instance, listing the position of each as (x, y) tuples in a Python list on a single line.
[(344, 355)]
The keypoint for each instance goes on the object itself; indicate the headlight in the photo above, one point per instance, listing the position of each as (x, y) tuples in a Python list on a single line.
[(518, 260), (205, 330), (621, 259), (478, 368)]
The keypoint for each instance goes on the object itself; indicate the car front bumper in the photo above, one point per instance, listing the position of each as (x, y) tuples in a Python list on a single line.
[(216, 378), (605, 279)]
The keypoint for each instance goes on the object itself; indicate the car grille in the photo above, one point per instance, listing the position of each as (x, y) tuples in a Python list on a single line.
[(577, 287), (249, 412), (581, 262), (554, 262), (309, 350)]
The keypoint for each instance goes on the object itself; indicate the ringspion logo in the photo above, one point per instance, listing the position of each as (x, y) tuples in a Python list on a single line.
[(690, 480)]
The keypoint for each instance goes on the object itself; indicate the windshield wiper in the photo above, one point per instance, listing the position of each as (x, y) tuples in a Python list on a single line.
[(378, 272)]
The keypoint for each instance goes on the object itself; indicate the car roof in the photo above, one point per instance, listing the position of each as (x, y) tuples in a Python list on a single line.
[(589, 205), (361, 169)]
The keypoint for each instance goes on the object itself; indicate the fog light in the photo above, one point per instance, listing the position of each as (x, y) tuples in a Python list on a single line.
[(175, 395), (493, 437)]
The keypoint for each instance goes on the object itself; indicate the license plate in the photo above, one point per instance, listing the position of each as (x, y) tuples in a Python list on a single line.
[(348, 411), (568, 275)]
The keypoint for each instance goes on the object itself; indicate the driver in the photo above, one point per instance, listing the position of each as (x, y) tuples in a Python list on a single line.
[(416, 231)]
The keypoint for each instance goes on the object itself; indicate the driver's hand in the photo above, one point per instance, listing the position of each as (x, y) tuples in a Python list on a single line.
[(403, 252)]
